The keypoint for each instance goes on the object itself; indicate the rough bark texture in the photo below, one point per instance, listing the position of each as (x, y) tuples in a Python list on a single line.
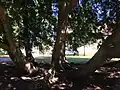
[(27, 40), (13, 50), (64, 10), (109, 49)]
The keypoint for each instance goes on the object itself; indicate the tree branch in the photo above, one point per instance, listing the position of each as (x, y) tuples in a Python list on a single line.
[(7, 28), (74, 2)]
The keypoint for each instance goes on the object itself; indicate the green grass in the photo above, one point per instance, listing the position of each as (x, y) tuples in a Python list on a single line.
[(77, 59)]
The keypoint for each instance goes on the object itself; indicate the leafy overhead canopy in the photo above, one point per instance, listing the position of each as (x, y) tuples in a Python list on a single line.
[(83, 21), (92, 20), (38, 18)]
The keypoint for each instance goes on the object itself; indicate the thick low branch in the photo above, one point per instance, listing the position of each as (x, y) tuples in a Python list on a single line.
[(109, 49)]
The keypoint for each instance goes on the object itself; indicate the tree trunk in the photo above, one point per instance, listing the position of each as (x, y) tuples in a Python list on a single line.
[(27, 40), (109, 49), (84, 50), (64, 9), (22, 64), (13, 50)]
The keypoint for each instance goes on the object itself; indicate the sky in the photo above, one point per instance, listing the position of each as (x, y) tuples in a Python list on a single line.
[(96, 7), (55, 7)]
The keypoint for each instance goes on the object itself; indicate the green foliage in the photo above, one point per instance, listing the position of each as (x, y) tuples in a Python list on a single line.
[(39, 22), (82, 22)]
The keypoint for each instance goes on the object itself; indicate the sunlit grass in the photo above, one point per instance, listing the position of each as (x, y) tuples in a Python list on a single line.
[(75, 59), (47, 58)]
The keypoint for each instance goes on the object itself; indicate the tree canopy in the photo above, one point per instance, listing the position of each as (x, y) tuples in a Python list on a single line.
[(26, 24)]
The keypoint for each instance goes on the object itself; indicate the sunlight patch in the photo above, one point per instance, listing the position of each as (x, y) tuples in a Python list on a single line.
[(28, 65), (53, 80), (26, 78), (14, 78)]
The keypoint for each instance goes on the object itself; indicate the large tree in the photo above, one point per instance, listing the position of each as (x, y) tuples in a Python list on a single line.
[(100, 28), (108, 30), (81, 18), (8, 43), (23, 25), (65, 7)]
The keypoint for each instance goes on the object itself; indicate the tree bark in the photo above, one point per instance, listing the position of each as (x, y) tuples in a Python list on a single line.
[(84, 50), (27, 40), (64, 10), (13, 50), (109, 49)]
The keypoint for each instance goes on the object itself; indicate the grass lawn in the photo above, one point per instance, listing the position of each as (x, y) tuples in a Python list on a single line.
[(75, 59), (47, 58)]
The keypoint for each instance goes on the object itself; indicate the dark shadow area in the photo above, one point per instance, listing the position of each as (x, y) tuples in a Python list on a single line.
[(11, 79), (106, 77)]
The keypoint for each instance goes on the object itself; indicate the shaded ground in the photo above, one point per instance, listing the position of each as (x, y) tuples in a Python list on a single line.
[(11, 79), (105, 78)]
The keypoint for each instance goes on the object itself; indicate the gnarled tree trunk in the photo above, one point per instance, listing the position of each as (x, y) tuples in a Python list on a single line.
[(27, 40), (13, 50), (64, 9), (109, 49)]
